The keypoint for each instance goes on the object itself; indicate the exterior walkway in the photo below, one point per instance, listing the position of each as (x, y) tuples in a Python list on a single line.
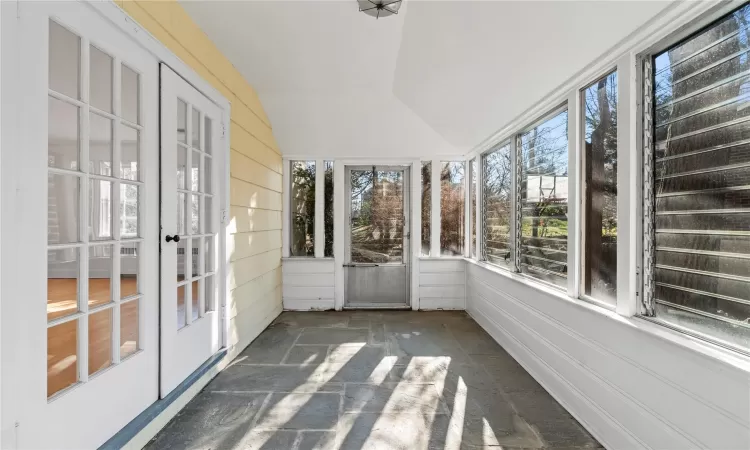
[(373, 380)]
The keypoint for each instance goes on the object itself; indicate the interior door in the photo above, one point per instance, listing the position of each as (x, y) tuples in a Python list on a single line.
[(377, 269), (79, 305), (190, 158)]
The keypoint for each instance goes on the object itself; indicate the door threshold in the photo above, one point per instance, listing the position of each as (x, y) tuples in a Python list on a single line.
[(393, 306)]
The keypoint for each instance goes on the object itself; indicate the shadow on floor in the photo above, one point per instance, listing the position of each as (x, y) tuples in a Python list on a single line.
[(373, 380)]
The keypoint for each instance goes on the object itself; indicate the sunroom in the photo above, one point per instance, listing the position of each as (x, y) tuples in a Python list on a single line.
[(374, 224)]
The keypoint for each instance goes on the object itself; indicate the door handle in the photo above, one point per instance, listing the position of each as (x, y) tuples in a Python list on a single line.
[(361, 265), (175, 238)]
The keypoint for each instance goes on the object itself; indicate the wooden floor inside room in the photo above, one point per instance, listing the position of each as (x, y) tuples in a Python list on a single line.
[(62, 339)]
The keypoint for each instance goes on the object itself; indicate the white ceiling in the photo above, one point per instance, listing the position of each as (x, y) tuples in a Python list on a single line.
[(436, 79)]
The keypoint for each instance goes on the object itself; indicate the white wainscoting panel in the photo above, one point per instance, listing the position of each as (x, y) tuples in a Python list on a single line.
[(308, 284), (442, 284), (631, 383)]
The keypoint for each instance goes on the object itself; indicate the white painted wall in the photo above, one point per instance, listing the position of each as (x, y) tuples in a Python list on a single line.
[(308, 284), (442, 284), (631, 383)]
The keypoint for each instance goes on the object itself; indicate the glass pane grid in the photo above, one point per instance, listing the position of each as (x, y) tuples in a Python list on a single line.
[(497, 204), (83, 285)]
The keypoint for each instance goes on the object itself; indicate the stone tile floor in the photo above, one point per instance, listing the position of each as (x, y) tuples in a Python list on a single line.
[(373, 380)]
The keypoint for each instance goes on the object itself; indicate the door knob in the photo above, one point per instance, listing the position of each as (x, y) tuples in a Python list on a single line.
[(175, 238)]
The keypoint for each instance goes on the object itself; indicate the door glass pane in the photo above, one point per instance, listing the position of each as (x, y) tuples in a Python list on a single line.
[(377, 216), (210, 257), (100, 210), (62, 209), (100, 340), (210, 214), (129, 145), (100, 145), (181, 309), (62, 282), (195, 300), (426, 206), (209, 295), (129, 268), (544, 200), (62, 356), (63, 135), (208, 175), (130, 94), (100, 275), (181, 121), (64, 61), (196, 256), (600, 196), (181, 166), (129, 206), (181, 201), (182, 262), (101, 79), (452, 217), (208, 133), (497, 198), (196, 129), (195, 172), (195, 214), (128, 328)]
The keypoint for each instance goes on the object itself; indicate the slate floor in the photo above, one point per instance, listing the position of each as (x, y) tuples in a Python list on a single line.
[(373, 380)]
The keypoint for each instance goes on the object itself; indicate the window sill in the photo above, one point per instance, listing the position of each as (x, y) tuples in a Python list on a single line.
[(443, 258)]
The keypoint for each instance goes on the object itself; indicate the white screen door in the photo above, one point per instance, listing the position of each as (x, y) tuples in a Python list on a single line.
[(190, 158), (80, 297)]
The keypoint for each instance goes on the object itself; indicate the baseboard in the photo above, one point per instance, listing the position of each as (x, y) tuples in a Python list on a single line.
[(137, 433), (316, 304)]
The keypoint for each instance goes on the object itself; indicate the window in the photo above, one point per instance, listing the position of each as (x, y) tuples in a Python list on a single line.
[(473, 205), (543, 159), (302, 206), (426, 206), (328, 209), (452, 219), (699, 247), (497, 206), (600, 189)]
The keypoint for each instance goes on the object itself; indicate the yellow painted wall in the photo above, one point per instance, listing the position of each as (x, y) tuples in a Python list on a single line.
[(255, 169)]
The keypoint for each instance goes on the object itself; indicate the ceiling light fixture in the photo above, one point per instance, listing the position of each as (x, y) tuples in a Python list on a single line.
[(379, 8)]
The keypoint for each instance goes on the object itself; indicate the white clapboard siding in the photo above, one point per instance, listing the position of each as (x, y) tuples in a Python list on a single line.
[(442, 284), (308, 284), (631, 383)]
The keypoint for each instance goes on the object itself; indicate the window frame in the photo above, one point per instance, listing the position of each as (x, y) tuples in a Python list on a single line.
[(481, 230), (582, 198), (645, 305), (290, 214)]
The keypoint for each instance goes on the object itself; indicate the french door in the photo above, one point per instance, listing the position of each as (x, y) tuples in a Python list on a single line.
[(79, 317), (377, 270), (190, 160)]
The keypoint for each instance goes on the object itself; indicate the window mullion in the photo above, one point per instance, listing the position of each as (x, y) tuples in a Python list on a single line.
[(435, 216), (516, 159), (469, 207), (574, 191), (627, 188), (319, 234), (479, 224)]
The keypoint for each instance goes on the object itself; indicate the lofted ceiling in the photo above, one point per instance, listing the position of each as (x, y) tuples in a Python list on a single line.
[(436, 79)]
